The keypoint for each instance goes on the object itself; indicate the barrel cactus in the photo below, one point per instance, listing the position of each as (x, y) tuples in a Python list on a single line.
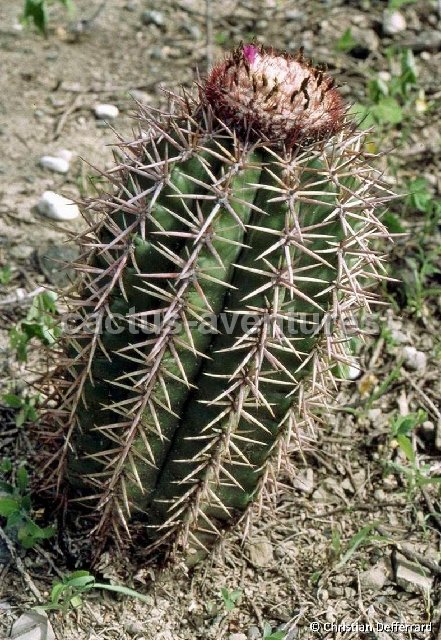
[(214, 289)]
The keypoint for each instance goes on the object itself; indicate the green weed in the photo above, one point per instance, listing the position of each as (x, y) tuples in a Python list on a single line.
[(26, 405), (5, 275), (424, 258), (37, 12), (415, 475), (16, 508), (397, 4), (346, 42), (230, 598), (362, 537), (67, 594), (269, 634), (389, 102), (40, 323)]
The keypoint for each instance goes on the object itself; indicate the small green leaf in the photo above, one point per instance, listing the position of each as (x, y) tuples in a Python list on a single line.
[(346, 42), (6, 465), (36, 11), (8, 506), (12, 400), (20, 418), (6, 487), (57, 591), (76, 602), (359, 538), (126, 591), (22, 479), (406, 446), (81, 581), (362, 115), (15, 519), (81, 573), (392, 223), (397, 4), (387, 111), (5, 274), (420, 196), (315, 577)]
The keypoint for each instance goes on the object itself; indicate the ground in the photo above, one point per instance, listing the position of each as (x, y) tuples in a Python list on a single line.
[(333, 546)]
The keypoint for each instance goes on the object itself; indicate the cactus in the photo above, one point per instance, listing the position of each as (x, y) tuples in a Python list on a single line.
[(213, 289)]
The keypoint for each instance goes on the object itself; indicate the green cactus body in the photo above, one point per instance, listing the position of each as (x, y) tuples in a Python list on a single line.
[(239, 237)]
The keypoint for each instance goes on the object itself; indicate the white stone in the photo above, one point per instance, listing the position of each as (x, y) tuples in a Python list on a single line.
[(106, 111), (399, 337), (261, 553), (32, 626), (59, 165), (237, 636), (385, 76), (354, 372), (412, 577), (374, 578), (153, 17), (65, 154), (414, 359), (438, 435), (393, 22), (54, 206)]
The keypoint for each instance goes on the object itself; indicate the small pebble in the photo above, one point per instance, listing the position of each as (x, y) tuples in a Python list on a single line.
[(374, 578), (414, 359), (393, 22), (353, 372), (295, 15), (106, 111), (134, 627), (59, 165), (54, 206), (438, 436), (153, 17), (254, 633), (412, 577), (65, 154), (385, 76), (427, 431), (261, 553), (32, 626), (399, 337), (237, 636)]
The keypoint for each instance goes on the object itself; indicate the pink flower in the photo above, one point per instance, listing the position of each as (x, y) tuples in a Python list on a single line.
[(275, 96)]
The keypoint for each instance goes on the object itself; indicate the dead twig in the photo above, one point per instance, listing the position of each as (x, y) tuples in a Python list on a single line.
[(20, 566), (64, 116), (21, 297)]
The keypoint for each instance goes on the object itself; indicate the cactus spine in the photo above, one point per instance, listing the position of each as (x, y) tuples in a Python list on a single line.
[(213, 287)]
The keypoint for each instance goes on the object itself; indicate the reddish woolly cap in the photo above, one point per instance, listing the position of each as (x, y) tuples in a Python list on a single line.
[(274, 95)]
